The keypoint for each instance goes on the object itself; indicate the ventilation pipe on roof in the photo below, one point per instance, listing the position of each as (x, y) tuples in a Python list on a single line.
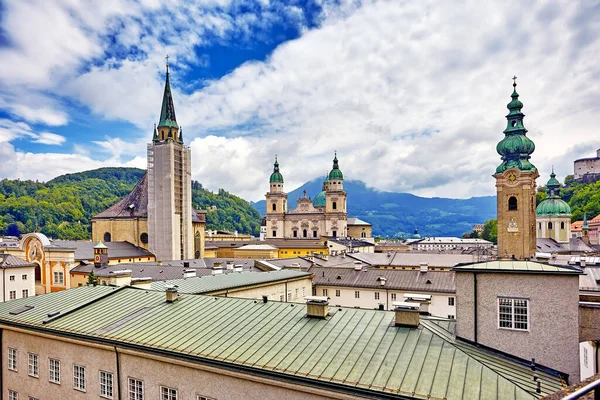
[(424, 267), (186, 264), (317, 306), (229, 265), (189, 273), (407, 314), (171, 293), (357, 265)]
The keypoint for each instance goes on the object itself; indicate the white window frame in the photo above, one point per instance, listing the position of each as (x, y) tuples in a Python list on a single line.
[(168, 393), (12, 295), (23, 277), (33, 365), (13, 394), (393, 296), (451, 301), (133, 385), (324, 292), (25, 293), (376, 295), (512, 314), (79, 377), (54, 370), (357, 294), (337, 293), (106, 384), (12, 359), (11, 278), (59, 277)]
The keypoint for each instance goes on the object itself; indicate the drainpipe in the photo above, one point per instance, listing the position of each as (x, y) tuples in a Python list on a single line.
[(118, 373), (475, 307), (387, 298), (1, 361), (596, 342), (286, 299), (4, 284)]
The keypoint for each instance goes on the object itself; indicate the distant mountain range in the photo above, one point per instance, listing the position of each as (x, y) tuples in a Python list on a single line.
[(400, 213)]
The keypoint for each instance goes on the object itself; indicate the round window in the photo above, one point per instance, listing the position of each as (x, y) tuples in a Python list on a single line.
[(144, 238)]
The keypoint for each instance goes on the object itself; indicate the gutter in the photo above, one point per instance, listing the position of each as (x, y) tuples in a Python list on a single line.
[(229, 366)]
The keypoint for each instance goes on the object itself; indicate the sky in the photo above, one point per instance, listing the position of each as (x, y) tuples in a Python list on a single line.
[(411, 94)]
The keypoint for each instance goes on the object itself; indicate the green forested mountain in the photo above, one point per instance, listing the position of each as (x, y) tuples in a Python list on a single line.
[(62, 207), (581, 197)]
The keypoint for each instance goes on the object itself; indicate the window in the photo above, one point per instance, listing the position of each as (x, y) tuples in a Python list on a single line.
[(107, 237), (549, 225), (450, 316), (59, 277), (32, 398), (274, 207), (24, 276), (280, 297), (296, 292), (135, 389), (25, 293), (12, 359), (585, 357), (513, 314), (32, 365), (295, 233), (376, 295), (393, 296), (324, 292), (200, 397), (106, 384), (12, 395), (54, 371), (79, 377), (450, 301), (562, 225), (304, 233), (334, 233), (334, 205), (337, 293), (356, 294), (512, 203), (168, 393), (12, 294), (274, 233), (144, 238), (314, 234), (11, 278)]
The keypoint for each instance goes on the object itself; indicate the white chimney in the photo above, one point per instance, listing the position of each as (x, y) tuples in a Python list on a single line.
[(357, 265), (217, 271), (382, 281), (229, 265), (189, 273), (424, 267)]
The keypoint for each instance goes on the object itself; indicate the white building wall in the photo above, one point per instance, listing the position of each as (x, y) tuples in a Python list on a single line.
[(367, 298), (18, 284), (587, 353)]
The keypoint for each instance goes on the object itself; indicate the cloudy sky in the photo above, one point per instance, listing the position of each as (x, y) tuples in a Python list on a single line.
[(412, 94)]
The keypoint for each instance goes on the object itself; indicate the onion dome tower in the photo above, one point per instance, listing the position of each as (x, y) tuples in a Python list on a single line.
[(336, 216), (553, 214), (276, 203), (319, 200), (515, 187)]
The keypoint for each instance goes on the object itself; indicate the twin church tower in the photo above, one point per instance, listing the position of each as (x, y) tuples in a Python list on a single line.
[(158, 213)]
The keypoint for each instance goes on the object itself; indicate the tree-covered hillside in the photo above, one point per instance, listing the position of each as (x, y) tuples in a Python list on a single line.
[(581, 197), (62, 207)]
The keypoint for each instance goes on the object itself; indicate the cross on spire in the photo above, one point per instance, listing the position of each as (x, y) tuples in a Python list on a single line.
[(514, 78), (167, 61)]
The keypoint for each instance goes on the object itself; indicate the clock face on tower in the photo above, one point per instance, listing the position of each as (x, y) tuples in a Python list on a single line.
[(97, 258), (512, 177)]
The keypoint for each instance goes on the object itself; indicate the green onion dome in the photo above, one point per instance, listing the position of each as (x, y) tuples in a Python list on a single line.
[(319, 200), (276, 176), (335, 171), (553, 206)]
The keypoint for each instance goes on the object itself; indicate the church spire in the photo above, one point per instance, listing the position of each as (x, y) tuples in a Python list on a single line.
[(155, 136), (167, 111), (516, 147)]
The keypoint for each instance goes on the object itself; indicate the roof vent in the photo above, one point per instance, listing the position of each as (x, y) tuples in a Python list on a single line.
[(229, 265), (317, 306), (189, 273), (217, 271), (186, 264), (407, 314), (171, 293), (382, 281), (357, 265), (217, 264), (424, 267)]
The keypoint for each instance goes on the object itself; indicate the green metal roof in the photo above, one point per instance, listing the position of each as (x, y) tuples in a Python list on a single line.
[(553, 206), (276, 175), (167, 110), (352, 350), (214, 283), (517, 267), (335, 173), (319, 200)]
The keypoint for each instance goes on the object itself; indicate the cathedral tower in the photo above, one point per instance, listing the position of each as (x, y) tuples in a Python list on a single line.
[(554, 214), (335, 202), (276, 204), (515, 187), (169, 187)]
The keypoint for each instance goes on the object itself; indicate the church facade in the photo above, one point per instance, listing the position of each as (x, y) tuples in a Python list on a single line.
[(325, 215), (157, 215)]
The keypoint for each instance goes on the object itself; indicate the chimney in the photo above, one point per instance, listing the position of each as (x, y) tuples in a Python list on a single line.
[(217, 265), (229, 265), (317, 306), (424, 267), (407, 314), (582, 262), (382, 280), (357, 265), (189, 273), (171, 293), (186, 264), (238, 268)]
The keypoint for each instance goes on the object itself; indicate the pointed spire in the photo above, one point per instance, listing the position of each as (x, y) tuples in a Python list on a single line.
[(180, 138), (276, 175), (585, 224), (335, 171), (167, 111), (553, 185), (155, 136)]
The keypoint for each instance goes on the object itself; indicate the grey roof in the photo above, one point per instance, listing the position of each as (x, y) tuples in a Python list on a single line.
[(353, 351), (526, 267), (135, 204), (10, 261), (398, 279), (578, 245), (296, 262), (356, 221), (84, 250), (404, 258), (165, 270), (349, 242), (591, 280), (214, 283), (548, 245)]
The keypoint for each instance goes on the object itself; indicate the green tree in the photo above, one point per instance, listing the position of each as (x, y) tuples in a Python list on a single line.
[(490, 230), (91, 278)]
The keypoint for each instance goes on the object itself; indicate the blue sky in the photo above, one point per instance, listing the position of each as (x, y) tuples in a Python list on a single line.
[(411, 94)]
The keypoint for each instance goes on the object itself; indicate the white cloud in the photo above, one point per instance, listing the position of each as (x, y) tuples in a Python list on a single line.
[(50, 138)]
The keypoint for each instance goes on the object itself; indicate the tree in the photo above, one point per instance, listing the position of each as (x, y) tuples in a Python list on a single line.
[(91, 278), (490, 230)]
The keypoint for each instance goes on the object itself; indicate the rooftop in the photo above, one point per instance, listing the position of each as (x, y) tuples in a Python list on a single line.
[(353, 351), (84, 250), (214, 283), (356, 221), (524, 267), (452, 240), (10, 261)]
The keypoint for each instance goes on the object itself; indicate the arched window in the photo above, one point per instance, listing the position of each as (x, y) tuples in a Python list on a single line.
[(562, 225), (144, 238), (274, 207), (363, 234), (539, 225), (295, 233), (314, 234), (512, 203), (304, 233), (107, 237), (334, 205), (549, 225)]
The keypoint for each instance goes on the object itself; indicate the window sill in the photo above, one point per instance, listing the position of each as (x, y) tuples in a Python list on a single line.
[(79, 390), (55, 382), (514, 329), (34, 376)]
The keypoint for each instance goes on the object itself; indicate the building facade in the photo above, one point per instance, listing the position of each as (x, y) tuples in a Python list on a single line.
[(515, 187), (326, 215), (587, 170), (553, 214)]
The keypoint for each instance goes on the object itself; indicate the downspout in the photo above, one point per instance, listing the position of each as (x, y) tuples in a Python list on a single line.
[(1, 361), (387, 300), (286, 299), (4, 285), (596, 342), (118, 373), (475, 307)]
